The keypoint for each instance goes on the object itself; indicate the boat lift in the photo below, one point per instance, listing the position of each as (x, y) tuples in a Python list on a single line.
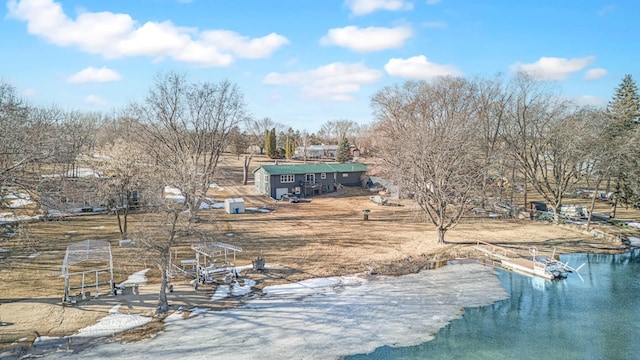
[(206, 253)]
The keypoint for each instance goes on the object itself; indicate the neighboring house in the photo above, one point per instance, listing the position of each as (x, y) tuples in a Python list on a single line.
[(354, 152), (316, 151), (306, 179)]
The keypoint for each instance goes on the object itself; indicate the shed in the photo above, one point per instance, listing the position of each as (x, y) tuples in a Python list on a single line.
[(234, 205)]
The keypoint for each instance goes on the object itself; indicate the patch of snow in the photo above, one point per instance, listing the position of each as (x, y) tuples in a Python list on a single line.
[(197, 311), (178, 315), (214, 185), (173, 193), (41, 339), (634, 224), (97, 227), (9, 218), (321, 318), (211, 204), (258, 210), (634, 241), (136, 278), (222, 291), (112, 324), (85, 173), (239, 290), (34, 255), (18, 200)]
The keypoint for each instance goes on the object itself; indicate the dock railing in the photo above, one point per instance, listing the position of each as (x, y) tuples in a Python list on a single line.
[(495, 250)]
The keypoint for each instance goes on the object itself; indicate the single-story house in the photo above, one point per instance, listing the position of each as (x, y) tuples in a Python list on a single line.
[(306, 179)]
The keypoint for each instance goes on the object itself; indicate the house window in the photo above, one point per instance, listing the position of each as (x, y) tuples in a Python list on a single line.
[(323, 176), (266, 178), (345, 175), (289, 178), (311, 178)]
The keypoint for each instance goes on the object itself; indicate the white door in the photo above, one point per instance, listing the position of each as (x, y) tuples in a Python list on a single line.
[(280, 192)]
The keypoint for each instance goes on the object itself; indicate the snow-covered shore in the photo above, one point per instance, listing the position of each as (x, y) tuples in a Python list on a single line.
[(320, 318)]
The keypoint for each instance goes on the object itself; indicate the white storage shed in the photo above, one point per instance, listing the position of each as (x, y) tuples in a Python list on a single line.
[(234, 205)]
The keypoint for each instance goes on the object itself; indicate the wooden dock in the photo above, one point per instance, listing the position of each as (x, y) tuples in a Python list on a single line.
[(510, 260)]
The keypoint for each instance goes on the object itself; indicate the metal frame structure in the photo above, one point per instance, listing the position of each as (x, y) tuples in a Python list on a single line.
[(96, 251), (209, 250)]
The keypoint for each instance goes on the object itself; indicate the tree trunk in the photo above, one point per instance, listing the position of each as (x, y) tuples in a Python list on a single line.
[(441, 233), (120, 225), (163, 303), (245, 169), (614, 204), (593, 202)]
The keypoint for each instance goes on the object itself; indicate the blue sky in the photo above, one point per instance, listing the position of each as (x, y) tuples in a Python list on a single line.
[(303, 63)]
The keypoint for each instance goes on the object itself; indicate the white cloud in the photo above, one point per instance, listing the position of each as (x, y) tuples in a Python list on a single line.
[(595, 74), (118, 35), (94, 100), (333, 82), (552, 68), (367, 39), (363, 7), (93, 75), (419, 68), (244, 46)]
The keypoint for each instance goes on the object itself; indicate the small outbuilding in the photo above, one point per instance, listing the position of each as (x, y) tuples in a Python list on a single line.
[(234, 205)]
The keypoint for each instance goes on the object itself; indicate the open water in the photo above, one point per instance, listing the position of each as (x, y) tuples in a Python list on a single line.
[(592, 316)]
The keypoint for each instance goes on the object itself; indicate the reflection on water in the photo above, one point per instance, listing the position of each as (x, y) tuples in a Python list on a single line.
[(595, 316)]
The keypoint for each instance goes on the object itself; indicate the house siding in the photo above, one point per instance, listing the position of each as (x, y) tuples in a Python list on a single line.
[(343, 174)]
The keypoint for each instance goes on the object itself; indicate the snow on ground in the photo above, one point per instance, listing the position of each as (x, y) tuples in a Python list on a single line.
[(18, 200), (136, 278), (634, 224), (215, 186), (8, 218), (320, 318), (258, 210), (222, 291), (80, 172), (114, 323), (634, 241), (175, 194)]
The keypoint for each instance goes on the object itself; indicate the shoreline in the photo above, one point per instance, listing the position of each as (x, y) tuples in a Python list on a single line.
[(334, 317), (90, 312)]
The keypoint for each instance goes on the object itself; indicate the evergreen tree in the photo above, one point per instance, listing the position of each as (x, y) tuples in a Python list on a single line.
[(342, 154), (273, 148), (290, 147), (624, 114), (624, 108), (267, 142)]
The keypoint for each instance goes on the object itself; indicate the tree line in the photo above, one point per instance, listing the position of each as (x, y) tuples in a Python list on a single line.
[(443, 141)]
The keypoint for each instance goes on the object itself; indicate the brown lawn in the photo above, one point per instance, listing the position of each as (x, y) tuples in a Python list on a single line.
[(324, 237)]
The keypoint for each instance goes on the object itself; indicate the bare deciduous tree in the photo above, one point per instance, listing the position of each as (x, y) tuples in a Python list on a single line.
[(257, 128), (428, 131), (186, 127), (545, 135)]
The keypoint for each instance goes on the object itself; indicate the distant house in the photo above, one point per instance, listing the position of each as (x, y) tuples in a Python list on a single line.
[(316, 151), (306, 179)]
